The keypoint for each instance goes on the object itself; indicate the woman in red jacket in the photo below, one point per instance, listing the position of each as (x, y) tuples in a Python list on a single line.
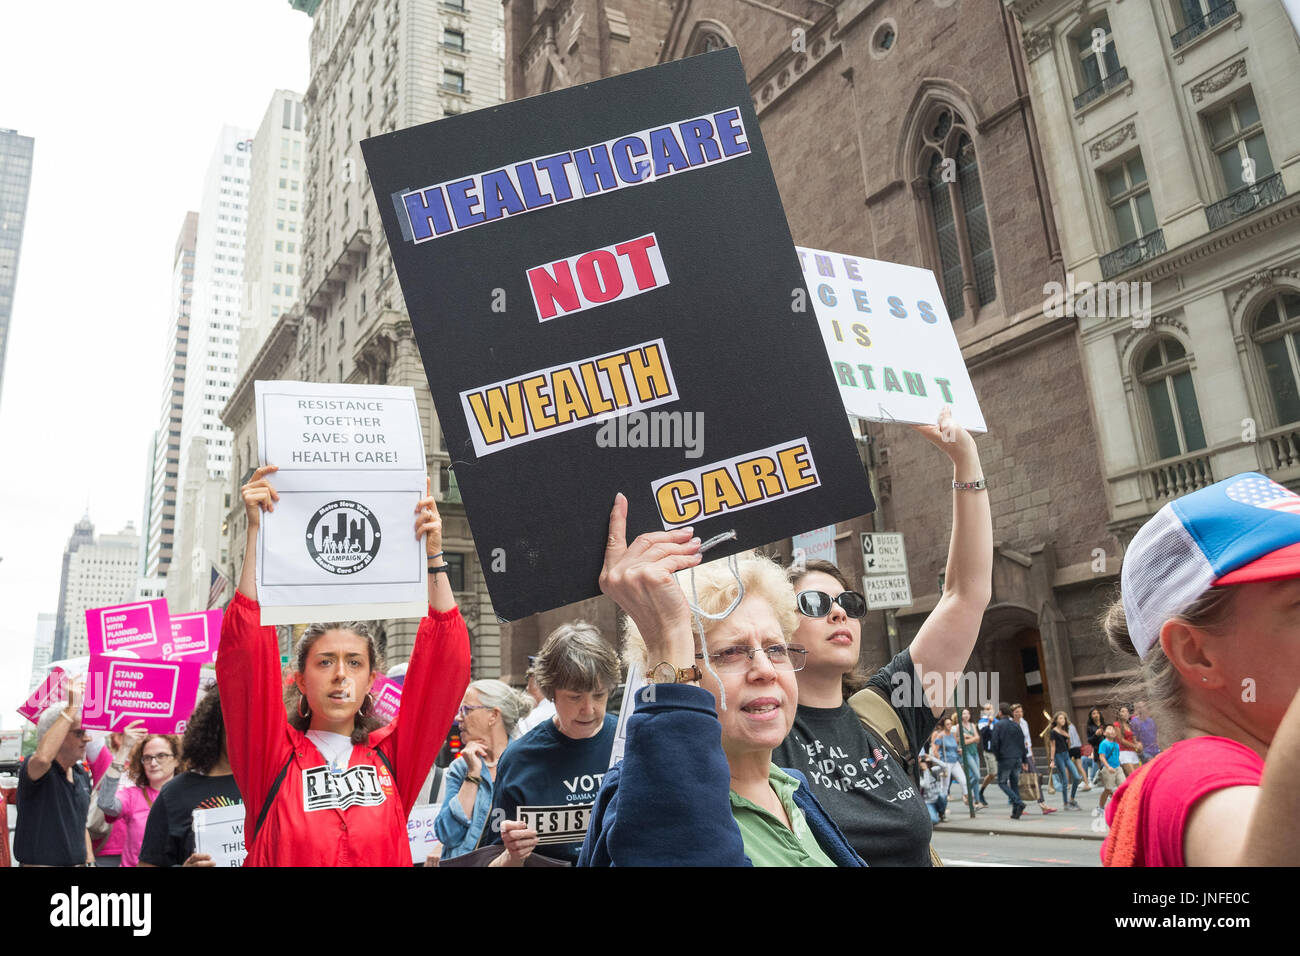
[(329, 786)]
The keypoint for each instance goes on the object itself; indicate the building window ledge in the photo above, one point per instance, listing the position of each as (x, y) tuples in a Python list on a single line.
[(452, 48), (1131, 254), (1110, 87), (1245, 201), (1215, 21)]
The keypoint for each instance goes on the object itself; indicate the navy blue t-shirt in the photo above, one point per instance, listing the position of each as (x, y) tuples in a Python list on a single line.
[(552, 779)]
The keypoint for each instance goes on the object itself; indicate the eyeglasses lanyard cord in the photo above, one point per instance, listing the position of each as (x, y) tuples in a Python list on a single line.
[(699, 615)]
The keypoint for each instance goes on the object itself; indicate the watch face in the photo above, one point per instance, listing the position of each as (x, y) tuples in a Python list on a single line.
[(664, 673)]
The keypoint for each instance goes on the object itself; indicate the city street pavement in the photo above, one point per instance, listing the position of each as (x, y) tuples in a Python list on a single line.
[(963, 849), (1068, 824)]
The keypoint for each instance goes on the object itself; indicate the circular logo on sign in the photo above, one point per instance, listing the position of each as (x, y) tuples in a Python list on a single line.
[(343, 537)]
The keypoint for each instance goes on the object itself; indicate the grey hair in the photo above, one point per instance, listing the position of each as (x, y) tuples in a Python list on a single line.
[(513, 704), (576, 657), (48, 716)]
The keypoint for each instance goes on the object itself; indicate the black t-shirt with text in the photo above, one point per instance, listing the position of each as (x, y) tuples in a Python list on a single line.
[(863, 789), (169, 833)]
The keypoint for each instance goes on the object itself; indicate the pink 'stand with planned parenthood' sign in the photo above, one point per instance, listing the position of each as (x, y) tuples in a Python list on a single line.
[(387, 695), (129, 630), (194, 637), (52, 690), (161, 693)]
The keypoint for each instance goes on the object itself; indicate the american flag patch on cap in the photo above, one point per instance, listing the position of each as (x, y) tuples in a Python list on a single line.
[(1260, 492)]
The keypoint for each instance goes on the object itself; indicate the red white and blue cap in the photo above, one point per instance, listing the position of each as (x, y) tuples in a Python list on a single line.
[(1240, 530)]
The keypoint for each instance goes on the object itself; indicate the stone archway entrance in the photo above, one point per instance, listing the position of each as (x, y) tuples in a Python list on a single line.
[(1009, 650)]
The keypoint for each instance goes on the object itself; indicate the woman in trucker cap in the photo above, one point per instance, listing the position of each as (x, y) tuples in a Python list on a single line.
[(1210, 605)]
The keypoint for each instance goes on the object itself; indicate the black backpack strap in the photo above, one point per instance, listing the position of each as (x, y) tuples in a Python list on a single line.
[(270, 795), (383, 757)]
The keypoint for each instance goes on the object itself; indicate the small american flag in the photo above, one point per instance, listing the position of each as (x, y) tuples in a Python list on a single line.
[(217, 592), (1264, 493)]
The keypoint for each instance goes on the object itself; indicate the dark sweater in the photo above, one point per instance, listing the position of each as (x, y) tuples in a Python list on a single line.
[(1008, 741), (668, 803)]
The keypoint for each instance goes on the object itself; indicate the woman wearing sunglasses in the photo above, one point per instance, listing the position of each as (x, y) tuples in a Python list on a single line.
[(864, 788), (697, 785)]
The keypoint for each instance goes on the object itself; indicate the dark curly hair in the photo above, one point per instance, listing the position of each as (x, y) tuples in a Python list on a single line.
[(205, 735), (295, 703)]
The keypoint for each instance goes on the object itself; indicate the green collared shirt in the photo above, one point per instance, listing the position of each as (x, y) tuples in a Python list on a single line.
[(768, 841)]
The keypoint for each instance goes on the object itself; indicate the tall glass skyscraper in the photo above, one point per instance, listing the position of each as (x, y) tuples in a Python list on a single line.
[(15, 178)]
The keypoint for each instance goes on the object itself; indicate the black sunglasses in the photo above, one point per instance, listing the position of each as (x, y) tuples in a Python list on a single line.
[(818, 603)]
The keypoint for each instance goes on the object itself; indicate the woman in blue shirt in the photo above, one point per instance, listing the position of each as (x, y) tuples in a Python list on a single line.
[(947, 751), (488, 716)]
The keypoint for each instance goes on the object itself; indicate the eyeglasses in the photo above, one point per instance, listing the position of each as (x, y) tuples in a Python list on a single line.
[(818, 603), (740, 657), (466, 708), (156, 758)]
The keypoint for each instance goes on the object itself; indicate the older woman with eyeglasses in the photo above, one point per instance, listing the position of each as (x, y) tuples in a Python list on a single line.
[(150, 761), (490, 715), (867, 789), (697, 785)]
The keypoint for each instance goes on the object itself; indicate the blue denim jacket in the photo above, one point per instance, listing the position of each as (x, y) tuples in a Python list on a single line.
[(457, 833)]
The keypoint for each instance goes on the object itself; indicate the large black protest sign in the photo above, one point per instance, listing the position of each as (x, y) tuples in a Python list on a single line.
[(607, 298)]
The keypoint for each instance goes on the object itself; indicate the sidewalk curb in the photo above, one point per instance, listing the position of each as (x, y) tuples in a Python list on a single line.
[(966, 825)]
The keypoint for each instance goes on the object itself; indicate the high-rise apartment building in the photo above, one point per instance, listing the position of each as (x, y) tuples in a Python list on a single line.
[(376, 66), (218, 294), (164, 486), (100, 572), (273, 236), (201, 541), (83, 534), (42, 648), (15, 179), (214, 319)]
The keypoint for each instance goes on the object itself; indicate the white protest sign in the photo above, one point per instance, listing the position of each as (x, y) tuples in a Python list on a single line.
[(634, 682), (890, 341), (11, 744), (341, 542), (816, 545), (419, 831), (219, 832)]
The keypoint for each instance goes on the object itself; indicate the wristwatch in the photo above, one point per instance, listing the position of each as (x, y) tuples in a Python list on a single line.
[(666, 672), (978, 485)]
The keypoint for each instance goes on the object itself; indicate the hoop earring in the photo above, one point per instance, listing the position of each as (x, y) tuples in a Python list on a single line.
[(369, 700), (302, 700)]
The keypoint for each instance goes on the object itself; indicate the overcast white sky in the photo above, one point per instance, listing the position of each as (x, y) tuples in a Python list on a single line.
[(126, 102)]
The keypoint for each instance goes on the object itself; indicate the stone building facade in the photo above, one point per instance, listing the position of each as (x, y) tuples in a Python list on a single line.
[(904, 131), (1171, 137), (376, 66)]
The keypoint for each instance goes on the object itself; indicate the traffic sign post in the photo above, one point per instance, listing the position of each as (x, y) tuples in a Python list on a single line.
[(883, 553), (885, 580)]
